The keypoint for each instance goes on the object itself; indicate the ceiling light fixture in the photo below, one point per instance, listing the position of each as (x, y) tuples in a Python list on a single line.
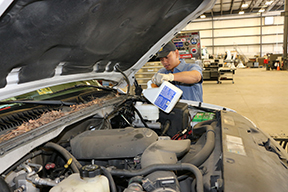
[(268, 2), (202, 16), (241, 12), (244, 5), (261, 10)]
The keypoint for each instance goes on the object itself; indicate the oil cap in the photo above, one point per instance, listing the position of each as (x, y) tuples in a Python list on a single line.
[(90, 171)]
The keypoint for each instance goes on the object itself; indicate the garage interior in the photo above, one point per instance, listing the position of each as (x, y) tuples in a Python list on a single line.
[(70, 122), (254, 35), (257, 94)]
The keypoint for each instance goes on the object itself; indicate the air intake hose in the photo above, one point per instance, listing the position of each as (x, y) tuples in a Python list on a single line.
[(163, 167), (206, 151)]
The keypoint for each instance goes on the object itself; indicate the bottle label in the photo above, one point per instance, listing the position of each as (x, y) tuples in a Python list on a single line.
[(165, 97)]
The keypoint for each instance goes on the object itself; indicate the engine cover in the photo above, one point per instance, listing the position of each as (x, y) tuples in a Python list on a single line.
[(112, 143)]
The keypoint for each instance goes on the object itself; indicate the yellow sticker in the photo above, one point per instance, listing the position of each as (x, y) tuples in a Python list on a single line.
[(161, 49), (44, 91)]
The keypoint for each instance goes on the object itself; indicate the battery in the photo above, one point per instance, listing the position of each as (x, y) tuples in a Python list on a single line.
[(203, 116)]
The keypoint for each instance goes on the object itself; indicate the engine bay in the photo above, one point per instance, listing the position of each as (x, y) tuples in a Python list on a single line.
[(66, 125), (136, 147), (125, 143)]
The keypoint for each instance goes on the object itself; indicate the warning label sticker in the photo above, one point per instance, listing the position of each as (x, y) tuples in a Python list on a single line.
[(235, 145), (164, 98)]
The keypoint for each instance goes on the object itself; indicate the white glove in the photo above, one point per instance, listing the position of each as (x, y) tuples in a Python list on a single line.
[(158, 78)]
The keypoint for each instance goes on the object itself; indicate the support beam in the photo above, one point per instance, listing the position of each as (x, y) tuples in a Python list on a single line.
[(231, 7), (257, 3), (251, 4), (285, 62), (241, 4), (271, 6), (261, 32), (212, 36), (221, 5), (279, 6)]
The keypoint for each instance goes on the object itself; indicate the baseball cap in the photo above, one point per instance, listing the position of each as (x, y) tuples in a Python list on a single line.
[(163, 52)]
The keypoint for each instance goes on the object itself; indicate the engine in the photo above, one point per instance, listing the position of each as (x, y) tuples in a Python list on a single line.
[(136, 148)]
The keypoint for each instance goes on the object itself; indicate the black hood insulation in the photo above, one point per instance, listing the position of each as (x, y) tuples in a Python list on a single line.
[(37, 36)]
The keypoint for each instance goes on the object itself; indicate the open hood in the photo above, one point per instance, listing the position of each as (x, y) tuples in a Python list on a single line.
[(46, 43)]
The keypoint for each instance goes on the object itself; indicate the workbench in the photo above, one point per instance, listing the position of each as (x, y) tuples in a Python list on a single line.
[(210, 72), (226, 73)]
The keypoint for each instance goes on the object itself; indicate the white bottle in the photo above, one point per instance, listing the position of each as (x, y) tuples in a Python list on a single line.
[(164, 97)]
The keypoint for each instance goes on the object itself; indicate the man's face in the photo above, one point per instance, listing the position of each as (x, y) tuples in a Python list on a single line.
[(171, 60)]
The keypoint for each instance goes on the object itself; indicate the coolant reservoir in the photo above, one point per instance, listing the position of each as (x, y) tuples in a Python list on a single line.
[(148, 111), (89, 180)]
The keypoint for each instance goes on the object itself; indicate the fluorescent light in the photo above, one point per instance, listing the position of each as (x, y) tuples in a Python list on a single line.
[(261, 10), (202, 16), (268, 2), (244, 5), (241, 12)]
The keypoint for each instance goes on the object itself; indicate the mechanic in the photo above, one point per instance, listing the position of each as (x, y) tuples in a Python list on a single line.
[(186, 76)]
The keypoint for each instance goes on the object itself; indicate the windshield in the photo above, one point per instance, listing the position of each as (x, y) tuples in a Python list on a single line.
[(54, 91)]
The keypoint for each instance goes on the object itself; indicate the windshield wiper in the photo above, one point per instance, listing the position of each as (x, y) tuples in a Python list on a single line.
[(97, 87), (80, 86), (44, 102)]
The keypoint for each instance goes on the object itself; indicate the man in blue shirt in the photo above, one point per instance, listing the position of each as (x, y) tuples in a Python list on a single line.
[(186, 76)]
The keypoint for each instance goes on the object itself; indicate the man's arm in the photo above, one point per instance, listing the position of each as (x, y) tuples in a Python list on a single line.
[(189, 77)]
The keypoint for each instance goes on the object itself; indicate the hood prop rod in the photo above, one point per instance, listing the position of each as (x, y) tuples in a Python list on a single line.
[(125, 77)]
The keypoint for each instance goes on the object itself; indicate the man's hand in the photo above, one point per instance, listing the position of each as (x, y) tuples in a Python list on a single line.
[(158, 78)]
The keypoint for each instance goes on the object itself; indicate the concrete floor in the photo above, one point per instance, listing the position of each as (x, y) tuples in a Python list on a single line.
[(259, 95)]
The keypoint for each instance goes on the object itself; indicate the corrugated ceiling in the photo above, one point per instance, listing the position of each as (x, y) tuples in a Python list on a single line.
[(230, 7)]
